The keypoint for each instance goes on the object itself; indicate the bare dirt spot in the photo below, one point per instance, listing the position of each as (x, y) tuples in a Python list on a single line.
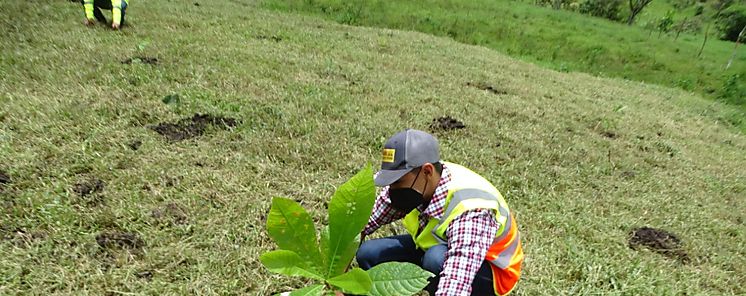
[(89, 192), (628, 174), (171, 181), (4, 178), (487, 87), (134, 145), (88, 187), (141, 60), (610, 134), (170, 213), (659, 241), (446, 123), (274, 38), (124, 240), (22, 238), (146, 275), (195, 126)]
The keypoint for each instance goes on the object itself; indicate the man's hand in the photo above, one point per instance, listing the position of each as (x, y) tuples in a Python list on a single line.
[(115, 26), (89, 22)]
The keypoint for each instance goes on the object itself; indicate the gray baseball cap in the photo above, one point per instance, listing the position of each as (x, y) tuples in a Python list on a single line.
[(405, 151)]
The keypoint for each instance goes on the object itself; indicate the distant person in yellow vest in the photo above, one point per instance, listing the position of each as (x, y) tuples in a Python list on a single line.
[(460, 227), (93, 12)]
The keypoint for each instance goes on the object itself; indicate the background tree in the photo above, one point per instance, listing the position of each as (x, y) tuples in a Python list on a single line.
[(665, 23), (680, 27), (719, 6), (635, 7), (680, 6), (557, 4), (731, 21), (735, 49)]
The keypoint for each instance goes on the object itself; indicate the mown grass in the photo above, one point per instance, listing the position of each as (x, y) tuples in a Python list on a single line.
[(581, 160), (560, 40)]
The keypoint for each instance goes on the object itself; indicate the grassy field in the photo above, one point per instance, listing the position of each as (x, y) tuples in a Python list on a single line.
[(561, 40), (95, 202)]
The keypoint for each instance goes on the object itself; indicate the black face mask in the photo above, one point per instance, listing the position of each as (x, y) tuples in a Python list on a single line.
[(407, 199)]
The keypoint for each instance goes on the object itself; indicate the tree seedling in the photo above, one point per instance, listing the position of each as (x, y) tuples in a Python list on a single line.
[(326, 258)]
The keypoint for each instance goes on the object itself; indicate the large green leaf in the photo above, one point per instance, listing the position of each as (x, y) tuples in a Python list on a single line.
[(292, 229), (288, 263), (397, 278), (355, 281), (342, 258), (349, 211), (315, 290), (324, 244)]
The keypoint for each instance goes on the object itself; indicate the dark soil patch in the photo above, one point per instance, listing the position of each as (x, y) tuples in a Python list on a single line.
[(146, 275), (446, 123), (628, 174), (134, 145), (489, 88), (170, 212), (610, 134), (192, 127), (4, 178), (659, 241), (21, 238), (270, 37), (125, 240), (141, 60), (87, 187), (171, 181)]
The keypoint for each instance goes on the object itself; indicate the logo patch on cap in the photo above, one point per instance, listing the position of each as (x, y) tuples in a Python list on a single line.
[(388, 155)]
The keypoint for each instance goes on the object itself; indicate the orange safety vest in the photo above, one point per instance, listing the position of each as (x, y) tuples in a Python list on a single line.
[(468, 191)]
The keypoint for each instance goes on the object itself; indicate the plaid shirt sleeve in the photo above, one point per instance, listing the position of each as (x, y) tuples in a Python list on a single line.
[(383, 213), (469, 237)]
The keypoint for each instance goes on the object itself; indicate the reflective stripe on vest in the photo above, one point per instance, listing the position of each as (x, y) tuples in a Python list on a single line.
[(88, 7), (469, 191), (469, 199), (116, 10)]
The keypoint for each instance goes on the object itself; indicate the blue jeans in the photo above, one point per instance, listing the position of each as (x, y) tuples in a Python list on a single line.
[(401, 248)]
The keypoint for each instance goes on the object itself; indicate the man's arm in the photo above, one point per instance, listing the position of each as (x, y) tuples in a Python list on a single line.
[(469, 237), (116, 12), (88, 8), (382, 214)]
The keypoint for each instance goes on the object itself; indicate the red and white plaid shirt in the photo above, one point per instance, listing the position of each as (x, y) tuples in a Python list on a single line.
[(469, 235)]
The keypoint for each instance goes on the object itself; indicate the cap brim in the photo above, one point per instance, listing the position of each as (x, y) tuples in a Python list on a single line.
[(386, 177)]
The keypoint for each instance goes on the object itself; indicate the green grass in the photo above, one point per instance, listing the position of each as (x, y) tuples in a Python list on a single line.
[(581, 160), (560, 40)]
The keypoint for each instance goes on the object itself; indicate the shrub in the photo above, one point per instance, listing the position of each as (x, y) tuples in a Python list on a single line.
[(731, 22), (699, 10), (734, 90), (609, 9)]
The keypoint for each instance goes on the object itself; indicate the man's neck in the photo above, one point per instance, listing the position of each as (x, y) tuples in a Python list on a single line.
[(435, 181)]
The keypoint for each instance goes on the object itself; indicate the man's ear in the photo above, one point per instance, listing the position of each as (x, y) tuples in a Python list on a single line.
[(428, 168)]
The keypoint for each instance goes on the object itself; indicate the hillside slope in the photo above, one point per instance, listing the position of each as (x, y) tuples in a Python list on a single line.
[(96, 202), (558, 39)]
